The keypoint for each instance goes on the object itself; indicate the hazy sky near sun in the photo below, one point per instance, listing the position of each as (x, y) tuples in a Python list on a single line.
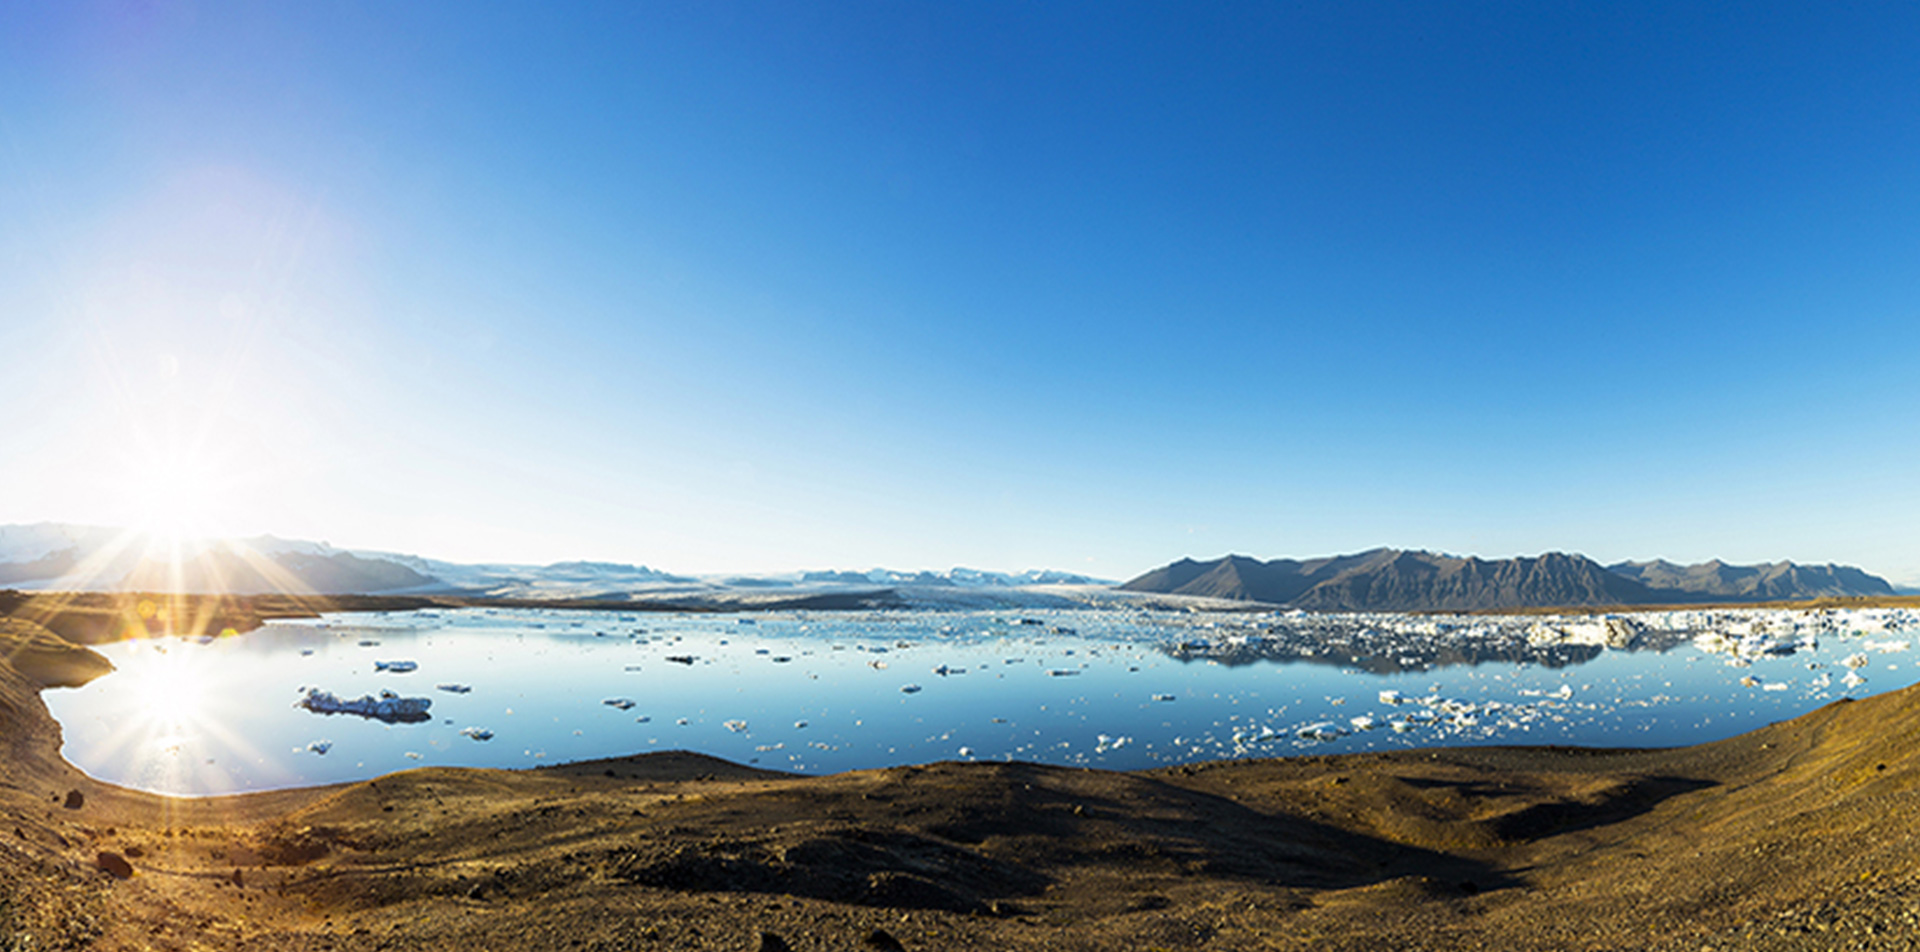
[(764, 286)]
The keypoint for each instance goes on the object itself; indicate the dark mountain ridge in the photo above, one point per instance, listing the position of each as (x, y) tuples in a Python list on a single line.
[(1401, 580)]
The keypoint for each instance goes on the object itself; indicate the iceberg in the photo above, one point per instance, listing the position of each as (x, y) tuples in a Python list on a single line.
[(477, 733), (396, 667), (388, 707)]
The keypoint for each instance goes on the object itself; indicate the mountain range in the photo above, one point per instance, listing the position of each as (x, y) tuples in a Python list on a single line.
[(1400, 580), (95, 558)]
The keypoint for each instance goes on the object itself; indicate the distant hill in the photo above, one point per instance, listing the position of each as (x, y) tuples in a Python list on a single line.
[(241, 571), (97, 558), (1717, 579), (1399, 580)]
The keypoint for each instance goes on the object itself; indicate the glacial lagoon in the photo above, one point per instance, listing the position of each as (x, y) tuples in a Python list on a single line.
[(820, 692)]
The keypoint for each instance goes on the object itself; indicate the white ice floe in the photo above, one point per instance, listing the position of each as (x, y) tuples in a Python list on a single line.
[(909, 689), (396, 667), (320, 747), (736, 726), (388, 707), (451, 688), (1324, 730), (477, 733), (621, 703)]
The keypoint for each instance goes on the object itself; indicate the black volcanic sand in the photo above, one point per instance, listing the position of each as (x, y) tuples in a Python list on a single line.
[(1797, 836)]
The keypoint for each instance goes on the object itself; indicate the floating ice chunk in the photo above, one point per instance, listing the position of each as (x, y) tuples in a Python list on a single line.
[(799, 725), (909, 689), (1324, 730), (1750, 681), (452, 688), (306, 652), (476, 733), (877, 665), (682, 722), (781, 659), (388, 707), (1364, 722), (1854, 661), (320, 747), (736, 726), (622, 703), (1163, 697), (1400, 727), (1391, 697), (413, 755), (1885, 647), (643, 719), (680, 659), (1853, 679), (944, 670), (966, 751), (1063, 672), (396, 667), (1775, 686)]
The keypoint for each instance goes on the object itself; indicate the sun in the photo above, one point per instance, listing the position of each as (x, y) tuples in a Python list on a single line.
[(176, 497)]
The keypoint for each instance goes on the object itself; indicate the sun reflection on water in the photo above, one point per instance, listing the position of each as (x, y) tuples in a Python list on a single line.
[(186, 706)]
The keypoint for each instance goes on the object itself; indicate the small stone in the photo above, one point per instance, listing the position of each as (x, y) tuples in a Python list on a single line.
[(883, 941), (75, 800), (115, 865)]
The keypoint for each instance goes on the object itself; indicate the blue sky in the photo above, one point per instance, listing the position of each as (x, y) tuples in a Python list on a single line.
[(769, 286)]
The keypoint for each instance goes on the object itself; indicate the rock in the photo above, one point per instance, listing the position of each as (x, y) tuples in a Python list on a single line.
[(883, 941), (115, 865), (75, 800)]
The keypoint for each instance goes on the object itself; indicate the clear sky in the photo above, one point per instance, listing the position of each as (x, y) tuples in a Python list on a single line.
[(765, 286)]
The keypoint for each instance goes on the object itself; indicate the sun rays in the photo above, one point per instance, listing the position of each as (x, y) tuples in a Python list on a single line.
[(183, 705)]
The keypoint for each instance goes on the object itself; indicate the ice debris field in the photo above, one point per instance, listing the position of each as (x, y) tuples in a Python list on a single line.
[(352, 696)]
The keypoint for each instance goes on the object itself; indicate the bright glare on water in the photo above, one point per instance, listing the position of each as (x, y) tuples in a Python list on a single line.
[(819, 692)]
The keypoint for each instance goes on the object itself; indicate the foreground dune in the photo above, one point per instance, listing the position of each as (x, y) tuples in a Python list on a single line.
[(1800, 835)]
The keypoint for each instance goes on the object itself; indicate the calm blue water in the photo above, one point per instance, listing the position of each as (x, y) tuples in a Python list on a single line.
[(823, 692)]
